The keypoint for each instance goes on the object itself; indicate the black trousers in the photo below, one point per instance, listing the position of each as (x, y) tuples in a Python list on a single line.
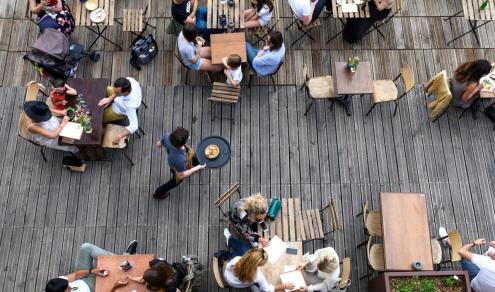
[(356, 28), (172, 183)]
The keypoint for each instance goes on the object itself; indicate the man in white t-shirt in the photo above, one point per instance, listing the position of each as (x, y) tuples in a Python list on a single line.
[(83, 280), (308, 11), (481, 268)]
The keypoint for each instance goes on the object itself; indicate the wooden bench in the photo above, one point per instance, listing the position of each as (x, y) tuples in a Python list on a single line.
[(224, 93)]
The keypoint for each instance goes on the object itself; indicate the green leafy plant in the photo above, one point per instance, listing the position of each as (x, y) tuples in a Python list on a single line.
[(428, 286), (451, 281), (85, 122), (484, 5)]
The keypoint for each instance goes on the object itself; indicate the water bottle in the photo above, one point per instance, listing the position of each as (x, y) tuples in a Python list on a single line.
[(274, 208)]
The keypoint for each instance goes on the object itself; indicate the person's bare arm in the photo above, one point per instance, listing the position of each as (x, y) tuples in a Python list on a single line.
[(35, 129), (465, 251), (307, 20), (471, 90), (384, 4), (77, 275), (195, 4), (36, 7), (189, 172), (57, 7), (104, 102), (69, 90)]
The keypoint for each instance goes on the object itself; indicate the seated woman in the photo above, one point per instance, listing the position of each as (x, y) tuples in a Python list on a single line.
[(161, 276), (245, 215), (321, 270), (193, 54), (244, 272), (266, 61), (356, 28), (43, 127), (465, 86), (260, 15), (54, 14)]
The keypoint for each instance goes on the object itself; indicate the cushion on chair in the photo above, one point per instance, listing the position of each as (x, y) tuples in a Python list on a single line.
[(111, 131), (375, 257), (373, 223), (436, 251), (384, 90), (321, 87)]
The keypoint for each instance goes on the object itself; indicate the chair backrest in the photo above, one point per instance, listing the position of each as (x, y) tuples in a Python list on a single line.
[(226, 195), (33, 88), (22, 127), (111, 131), (368, 246), (332, 213), (365, 212), (178, 56), (216, 272), (456, 244), (346, 272), (436, 251), (225, 93), (278, 67), (305, 73), (407, 77)]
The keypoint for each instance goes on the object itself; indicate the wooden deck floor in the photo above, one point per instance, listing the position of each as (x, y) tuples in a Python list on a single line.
[(46, 212)]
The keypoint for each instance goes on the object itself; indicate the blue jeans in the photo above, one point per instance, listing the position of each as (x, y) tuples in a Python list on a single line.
[(471, 268), (251, 53), (319, 8), (239, 247), (86, 258)]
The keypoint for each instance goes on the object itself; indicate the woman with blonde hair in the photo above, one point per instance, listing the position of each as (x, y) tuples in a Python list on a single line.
[(245, 214), (243, 272), (321, 270)]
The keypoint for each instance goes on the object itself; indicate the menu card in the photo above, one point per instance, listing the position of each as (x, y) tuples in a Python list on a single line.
[(72, 130), (295, 277), (276, 249)]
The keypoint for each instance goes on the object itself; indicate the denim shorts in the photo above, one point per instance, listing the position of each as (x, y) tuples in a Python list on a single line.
[(263, 22), (197, 65)]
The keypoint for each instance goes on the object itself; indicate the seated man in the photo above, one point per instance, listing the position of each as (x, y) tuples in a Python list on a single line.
[(265, 61), (186, 11), (83, 280), (481, 268), (123, 100), (308, 11)]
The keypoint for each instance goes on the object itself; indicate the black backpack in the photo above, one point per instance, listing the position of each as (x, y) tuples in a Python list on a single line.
[(143, 51)]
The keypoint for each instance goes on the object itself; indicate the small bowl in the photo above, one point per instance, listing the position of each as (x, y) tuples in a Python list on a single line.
[(91, 5), (358, 2), (212, 151), (98, 15)]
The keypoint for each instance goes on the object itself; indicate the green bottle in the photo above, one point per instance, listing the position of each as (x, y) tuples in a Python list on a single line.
[(274, 208)]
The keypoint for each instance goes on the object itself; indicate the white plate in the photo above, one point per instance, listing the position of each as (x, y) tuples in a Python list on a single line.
[(340, 2), (358, 2), (98, 15)]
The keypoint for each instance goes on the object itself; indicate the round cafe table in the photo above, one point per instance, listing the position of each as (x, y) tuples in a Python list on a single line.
[(222, 158)]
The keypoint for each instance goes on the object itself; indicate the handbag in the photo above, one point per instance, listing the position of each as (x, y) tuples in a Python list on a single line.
[(143, 51)]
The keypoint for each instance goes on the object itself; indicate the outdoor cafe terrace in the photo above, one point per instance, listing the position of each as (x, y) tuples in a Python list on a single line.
[(324, 156)]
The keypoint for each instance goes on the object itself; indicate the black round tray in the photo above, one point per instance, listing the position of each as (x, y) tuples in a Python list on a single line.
[(222, 158)]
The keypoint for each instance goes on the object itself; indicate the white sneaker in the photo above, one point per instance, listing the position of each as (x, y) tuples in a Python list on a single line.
[(227, 235), (442, 233)]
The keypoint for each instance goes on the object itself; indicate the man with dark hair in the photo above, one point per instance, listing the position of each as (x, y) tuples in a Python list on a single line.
[(123, 100), (83, 280), (181, 159), (265, 61)]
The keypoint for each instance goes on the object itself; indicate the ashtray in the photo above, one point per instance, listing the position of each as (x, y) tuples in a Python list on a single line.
[(212, 151), (98, 15)]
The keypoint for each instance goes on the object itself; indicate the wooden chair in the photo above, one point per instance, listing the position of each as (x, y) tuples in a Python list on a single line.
[(33, 89), (178, 56), (224, 93), (305, 30), (133, 20), (312, 225), (110, 132), (252, 73), (455, 244), (386, 90), (345, 280), (376, 26), (436, 251), (318, 88), (261, 32), (440, 88), (372, 222), (226, 195), (217, 272), (375, 256)]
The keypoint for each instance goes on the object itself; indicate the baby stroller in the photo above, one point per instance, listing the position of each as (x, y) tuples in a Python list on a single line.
[(54, 57)]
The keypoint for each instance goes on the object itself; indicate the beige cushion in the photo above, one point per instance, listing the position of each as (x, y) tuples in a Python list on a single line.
[(373, 223), (111, 131), (436, 251), (321, 87), (384, 90), (376, 260)]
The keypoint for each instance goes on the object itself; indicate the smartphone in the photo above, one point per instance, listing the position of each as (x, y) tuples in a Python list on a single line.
[(290, 250)]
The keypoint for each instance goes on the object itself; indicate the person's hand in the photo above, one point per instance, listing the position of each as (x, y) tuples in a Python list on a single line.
[(201, 166), (121, 282), (492, 244), (479, 241), (64, 121), (227, 72), (300, 266), (100, 272), (302, 289), (158, 144), (116, 140), (190, 19), (104, 102), (264, 242), (289, 286), (266, 48)]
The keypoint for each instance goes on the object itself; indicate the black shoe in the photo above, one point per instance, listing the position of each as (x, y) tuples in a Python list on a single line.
[(131, 248), (161, 196), (347, 103)]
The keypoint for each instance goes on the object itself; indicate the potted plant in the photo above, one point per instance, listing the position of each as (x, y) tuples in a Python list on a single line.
[(423, 281), (85, 122), (352, 63)]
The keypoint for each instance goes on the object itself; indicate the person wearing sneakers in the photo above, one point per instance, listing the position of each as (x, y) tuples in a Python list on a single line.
[(181, 159), (481, 268), (83, 280)]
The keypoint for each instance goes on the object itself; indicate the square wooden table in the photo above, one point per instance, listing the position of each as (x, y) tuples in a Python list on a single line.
[(81, 14), (363, 10), (359, 82), (139, 262), (272, 272), (233, 13), (224, 44), (406, 234)]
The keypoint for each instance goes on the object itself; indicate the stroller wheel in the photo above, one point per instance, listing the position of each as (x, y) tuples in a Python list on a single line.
[(94, 56)]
